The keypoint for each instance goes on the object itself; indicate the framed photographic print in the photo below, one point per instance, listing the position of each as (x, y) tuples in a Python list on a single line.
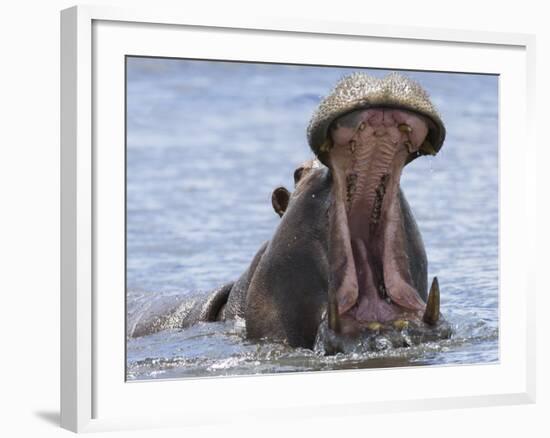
[(254, 206)]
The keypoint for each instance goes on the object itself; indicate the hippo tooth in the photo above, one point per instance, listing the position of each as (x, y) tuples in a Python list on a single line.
[(333, 315), (403, 127), (325, 147), (428, 148), (401, 324), (431, 314), (374, 326)]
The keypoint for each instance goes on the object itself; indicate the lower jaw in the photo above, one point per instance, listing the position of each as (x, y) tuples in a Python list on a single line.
[(374, 308), (376, 337)]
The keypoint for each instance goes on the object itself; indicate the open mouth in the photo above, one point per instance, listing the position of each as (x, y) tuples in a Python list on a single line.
[(371, 280)]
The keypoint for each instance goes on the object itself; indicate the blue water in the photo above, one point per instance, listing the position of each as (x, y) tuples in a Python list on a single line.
[(207, 142)]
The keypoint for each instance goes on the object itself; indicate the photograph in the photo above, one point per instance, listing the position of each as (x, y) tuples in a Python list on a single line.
[(285, 218), (275, 218)]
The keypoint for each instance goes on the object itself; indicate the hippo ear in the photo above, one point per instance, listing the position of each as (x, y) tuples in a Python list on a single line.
[(279, 199), (298, 173)]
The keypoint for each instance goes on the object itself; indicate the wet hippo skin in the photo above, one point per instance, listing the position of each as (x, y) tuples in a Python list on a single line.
[(347, 257)]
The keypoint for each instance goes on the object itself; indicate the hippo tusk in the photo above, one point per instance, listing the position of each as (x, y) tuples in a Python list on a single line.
[(428, 148), (431, 314)]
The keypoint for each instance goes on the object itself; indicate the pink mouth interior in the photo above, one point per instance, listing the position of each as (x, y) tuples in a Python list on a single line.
[(371, 274)]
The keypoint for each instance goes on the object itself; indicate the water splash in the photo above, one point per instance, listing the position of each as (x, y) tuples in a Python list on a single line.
[(220, 349)]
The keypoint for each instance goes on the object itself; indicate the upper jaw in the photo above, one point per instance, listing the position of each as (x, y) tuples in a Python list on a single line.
[(358, 91), (400, 125)]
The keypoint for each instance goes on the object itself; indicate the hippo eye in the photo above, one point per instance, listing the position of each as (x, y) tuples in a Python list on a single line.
[(298, 174)]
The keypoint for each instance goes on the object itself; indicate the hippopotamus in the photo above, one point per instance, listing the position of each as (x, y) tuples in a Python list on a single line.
[(347, 258)]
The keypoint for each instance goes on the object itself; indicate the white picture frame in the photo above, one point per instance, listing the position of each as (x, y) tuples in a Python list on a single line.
[(94, 394)]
